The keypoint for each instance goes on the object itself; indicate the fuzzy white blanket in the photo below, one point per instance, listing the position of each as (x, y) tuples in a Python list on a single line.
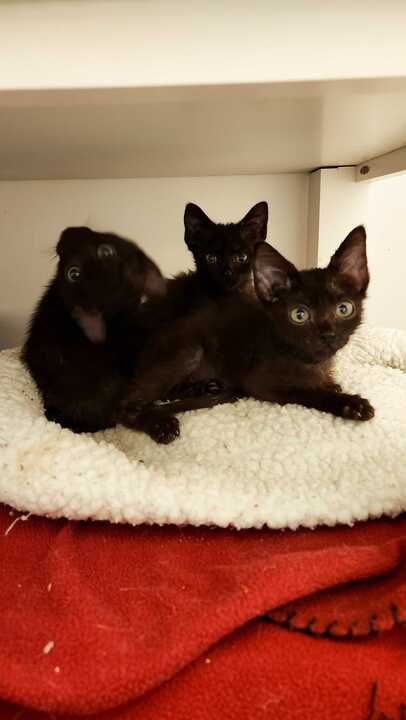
[(244, 465)]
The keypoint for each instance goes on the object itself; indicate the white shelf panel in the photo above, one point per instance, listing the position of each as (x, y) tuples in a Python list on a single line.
[(198, 131), (117, 43)]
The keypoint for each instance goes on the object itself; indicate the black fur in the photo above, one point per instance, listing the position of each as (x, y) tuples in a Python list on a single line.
[(81, 344), (279, 349), (223, 253), (232, 245)]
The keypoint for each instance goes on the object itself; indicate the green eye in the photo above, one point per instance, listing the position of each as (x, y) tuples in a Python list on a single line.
[(345, 309), (73, 273), (242, 258), (105, 251), (299, 315), (211, 259)]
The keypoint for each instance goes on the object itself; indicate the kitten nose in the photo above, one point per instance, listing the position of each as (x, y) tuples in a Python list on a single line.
[(327, 335), (227, 272)]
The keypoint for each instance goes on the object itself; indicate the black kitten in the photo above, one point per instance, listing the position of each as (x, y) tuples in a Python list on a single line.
[(280, 349), (77, 346), (223, 256)]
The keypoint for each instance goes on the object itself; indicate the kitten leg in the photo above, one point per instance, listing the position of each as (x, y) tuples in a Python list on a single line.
[(352, 407), (154, 382), (159, 421), (150, 385), (266, 383), (161, 426)]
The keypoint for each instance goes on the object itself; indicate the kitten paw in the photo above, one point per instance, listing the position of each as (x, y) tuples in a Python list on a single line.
[(158, 424), (165, 430), (357, 408)]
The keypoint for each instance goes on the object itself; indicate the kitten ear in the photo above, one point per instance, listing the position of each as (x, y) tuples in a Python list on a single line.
[(70, 236), (350, 260), (272, 272), (253, 226), (195, 221), (154, 282)]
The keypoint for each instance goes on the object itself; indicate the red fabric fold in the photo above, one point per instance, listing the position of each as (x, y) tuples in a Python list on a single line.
[(359, 608), (171, 622)]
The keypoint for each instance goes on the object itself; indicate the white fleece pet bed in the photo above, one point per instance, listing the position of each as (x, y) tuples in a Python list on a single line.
[(244, 465)]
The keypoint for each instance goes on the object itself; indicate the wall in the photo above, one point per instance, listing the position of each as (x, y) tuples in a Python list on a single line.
[(387, 252), (337, 204), (343, 204), (32, 214)]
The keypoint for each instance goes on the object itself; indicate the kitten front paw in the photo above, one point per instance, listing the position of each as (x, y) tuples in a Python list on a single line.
[(356, 407), (160, 426), (164, 429)]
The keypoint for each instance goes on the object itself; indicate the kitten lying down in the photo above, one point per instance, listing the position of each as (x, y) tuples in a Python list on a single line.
[(279, 349), (80, 346)]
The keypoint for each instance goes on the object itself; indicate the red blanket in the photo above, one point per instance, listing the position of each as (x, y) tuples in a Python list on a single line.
[(165, 623)]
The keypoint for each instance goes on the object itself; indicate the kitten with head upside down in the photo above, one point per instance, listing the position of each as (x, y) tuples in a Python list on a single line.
[(77, 345), (279, 349)]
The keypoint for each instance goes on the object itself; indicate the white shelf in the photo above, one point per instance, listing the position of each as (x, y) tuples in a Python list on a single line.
[(95, 89), (251, 129), (144, 43)]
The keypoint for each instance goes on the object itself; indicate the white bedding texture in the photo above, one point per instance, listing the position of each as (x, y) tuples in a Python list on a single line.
[(246, 465)]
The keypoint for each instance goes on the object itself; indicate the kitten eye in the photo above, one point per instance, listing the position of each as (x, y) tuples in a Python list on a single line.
[(299, 315), (211, 259), (73, 273), (345, 309), (104, 251), (242, 258)]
